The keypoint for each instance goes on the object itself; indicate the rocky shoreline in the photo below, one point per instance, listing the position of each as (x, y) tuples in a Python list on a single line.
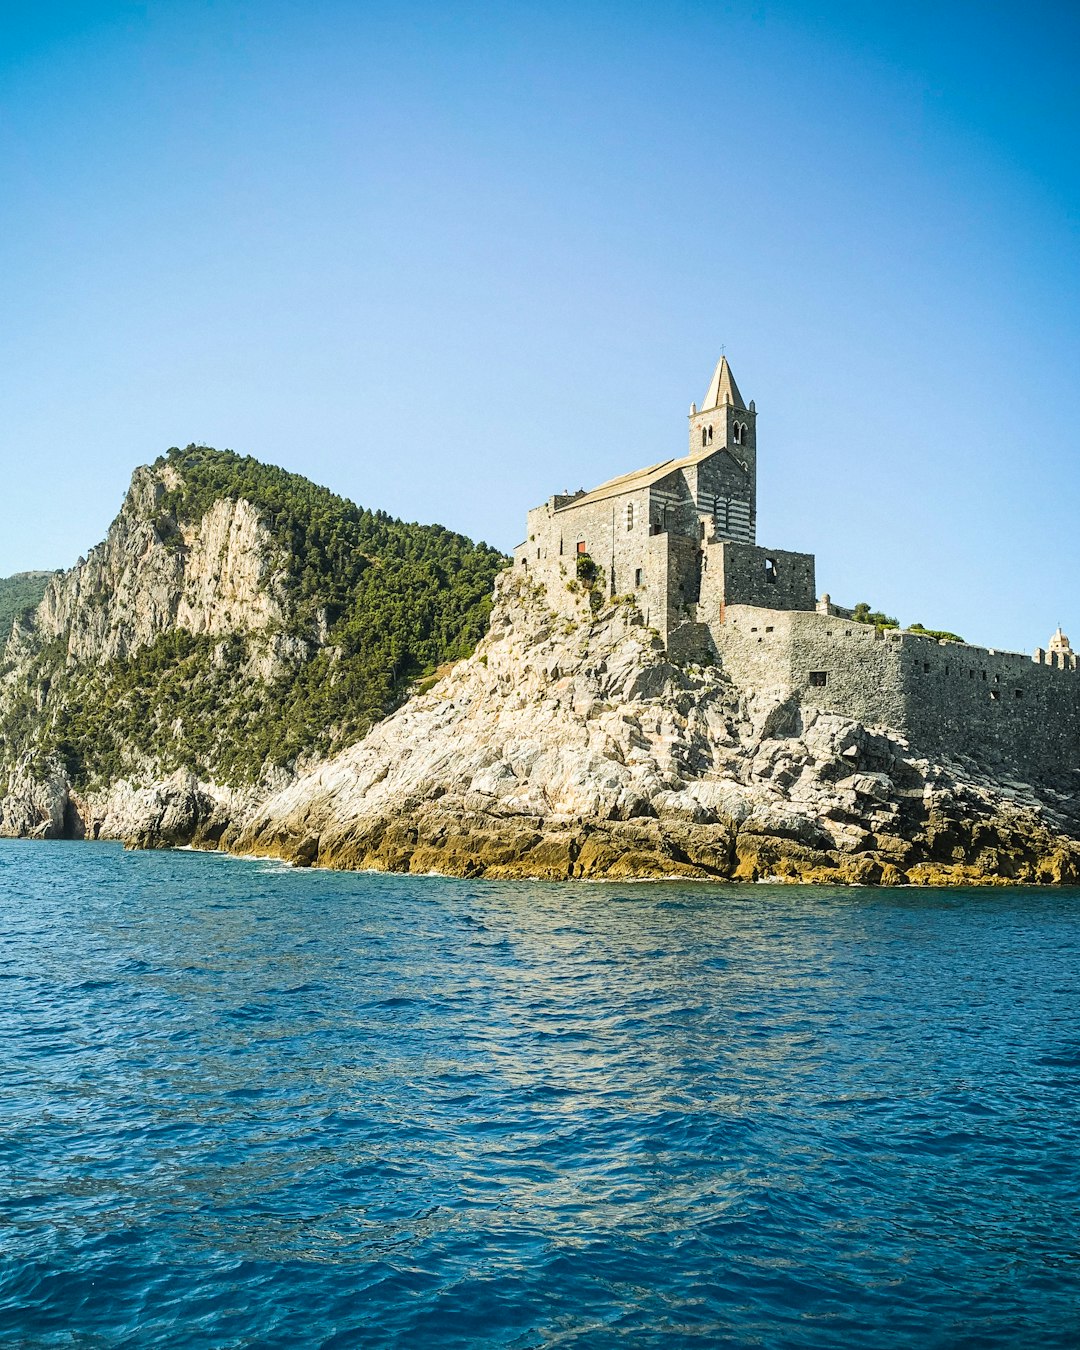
[(575, 747), (578, 748)]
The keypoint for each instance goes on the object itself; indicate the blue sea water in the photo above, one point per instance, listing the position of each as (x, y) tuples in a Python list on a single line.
[(249, 1106)]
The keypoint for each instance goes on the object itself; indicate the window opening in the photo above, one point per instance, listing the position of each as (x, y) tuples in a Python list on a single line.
[(581, 546), (819, 678), (770, 570), (637, 576), (629, 515)]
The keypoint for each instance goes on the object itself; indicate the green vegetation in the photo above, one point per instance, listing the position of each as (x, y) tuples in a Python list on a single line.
[(588, 574), (18, 595), (373, 605), (939, 633), (862, 613), (587, 570)]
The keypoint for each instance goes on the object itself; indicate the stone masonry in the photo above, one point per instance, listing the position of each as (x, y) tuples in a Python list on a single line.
[(679, 537)]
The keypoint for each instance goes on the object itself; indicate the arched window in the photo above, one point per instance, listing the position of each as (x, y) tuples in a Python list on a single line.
[(704, 436), (736, 433), (629, 515)]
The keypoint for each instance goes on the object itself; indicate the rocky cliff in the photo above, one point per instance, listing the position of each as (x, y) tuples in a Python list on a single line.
[(236, 622), (577, 747), (229, 668)]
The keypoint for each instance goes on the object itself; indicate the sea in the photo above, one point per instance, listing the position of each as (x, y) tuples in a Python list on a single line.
[(248, 1105)]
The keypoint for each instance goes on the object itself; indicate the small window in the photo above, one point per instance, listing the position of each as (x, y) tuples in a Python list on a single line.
[(538, 555), (847, 632), (984, 676), (995, 695), (1019, 693), (629, 515), (770, 570), (768, 630), (560, 545), (704, 435), (926, 667), (637, 576), (819, 679), (581, 546)]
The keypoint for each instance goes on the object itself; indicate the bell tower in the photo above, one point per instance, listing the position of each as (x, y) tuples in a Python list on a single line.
[(724, 421), (723, 455)]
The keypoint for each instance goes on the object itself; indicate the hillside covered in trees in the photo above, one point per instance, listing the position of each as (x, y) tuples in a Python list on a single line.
[(131, 672), (19, 594)]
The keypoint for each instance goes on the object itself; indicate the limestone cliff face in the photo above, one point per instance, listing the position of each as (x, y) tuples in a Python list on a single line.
[(219, 575), (576, 747), (152, 576), (237, 623)]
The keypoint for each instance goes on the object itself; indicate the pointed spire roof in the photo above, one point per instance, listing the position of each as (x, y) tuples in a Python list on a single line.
[(722, 388)]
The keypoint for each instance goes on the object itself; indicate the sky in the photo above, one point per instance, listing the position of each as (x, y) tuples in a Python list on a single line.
[(447, 259)]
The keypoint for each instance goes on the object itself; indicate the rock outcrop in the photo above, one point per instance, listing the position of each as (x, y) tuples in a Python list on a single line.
[(578, 748), (172, 689), (154, 574), (237, 623)]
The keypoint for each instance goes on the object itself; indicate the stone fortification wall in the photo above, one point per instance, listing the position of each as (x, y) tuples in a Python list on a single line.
[(998, 708), (739, 574)]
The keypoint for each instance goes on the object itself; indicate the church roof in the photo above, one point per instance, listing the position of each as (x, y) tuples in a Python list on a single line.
[(722, 388), (640, 478), (630, 482)]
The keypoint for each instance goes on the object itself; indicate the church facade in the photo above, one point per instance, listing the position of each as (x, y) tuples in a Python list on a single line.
[(680, 535), (678, 540)]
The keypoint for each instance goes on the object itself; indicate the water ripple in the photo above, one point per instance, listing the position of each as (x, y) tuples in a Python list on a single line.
[(246, 1105)]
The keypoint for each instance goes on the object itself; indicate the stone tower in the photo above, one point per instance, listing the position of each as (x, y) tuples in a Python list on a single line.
[(723, 420), (727, 488)]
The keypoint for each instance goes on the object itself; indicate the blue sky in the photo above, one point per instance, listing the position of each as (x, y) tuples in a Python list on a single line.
[(449, 258)]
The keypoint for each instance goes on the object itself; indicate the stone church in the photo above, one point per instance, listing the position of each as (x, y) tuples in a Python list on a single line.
[(681, 535), (678, 540)]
